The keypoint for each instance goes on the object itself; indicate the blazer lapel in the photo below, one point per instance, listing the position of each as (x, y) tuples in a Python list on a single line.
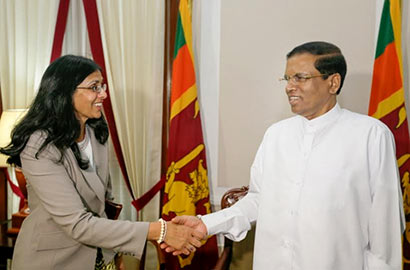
[(100, 156), (94, 183), (87, 183)]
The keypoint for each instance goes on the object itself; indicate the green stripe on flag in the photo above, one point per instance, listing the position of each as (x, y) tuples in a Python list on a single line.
[(179, 37), (386, 34)]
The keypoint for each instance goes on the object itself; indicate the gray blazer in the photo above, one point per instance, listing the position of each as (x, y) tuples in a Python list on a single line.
[(67, 221)]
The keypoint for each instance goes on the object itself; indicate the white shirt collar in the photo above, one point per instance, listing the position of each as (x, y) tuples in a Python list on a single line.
[(323, 120)]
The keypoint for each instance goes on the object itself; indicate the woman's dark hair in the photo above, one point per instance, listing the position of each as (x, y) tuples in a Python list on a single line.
[(52, 111), (330, 60)]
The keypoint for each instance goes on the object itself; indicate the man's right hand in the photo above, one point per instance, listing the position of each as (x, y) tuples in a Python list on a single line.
[(190, 221)]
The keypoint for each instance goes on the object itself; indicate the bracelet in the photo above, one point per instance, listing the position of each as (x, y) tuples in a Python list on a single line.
[(163, 231)]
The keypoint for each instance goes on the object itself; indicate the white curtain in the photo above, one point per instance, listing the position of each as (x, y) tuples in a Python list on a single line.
[(26, 35), (76, 35), (133, 41), (76, 42)]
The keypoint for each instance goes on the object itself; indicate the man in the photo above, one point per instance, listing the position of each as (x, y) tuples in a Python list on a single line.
[(324, 187)]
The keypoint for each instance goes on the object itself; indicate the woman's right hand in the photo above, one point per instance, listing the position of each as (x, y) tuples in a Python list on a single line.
[(190, 221), (180, 237), (183, 238)]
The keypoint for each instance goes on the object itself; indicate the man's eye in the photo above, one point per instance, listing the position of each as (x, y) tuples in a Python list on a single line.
[(300, 77), (94, 88)]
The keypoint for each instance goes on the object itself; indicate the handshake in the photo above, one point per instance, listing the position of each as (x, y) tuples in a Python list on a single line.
[(181, 235)]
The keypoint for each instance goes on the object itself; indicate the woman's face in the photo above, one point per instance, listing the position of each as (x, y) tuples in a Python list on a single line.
[(87, 102)]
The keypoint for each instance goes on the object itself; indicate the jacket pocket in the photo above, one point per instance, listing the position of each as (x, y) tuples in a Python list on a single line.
[(55, 240)]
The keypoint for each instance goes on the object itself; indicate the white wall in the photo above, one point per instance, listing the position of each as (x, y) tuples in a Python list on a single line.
[(206, 31), (254, 37)]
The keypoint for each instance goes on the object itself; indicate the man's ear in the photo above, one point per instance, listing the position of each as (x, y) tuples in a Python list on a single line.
[(334, 83)]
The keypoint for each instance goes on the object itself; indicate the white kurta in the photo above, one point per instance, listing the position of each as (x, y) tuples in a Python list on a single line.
[(326, 196)]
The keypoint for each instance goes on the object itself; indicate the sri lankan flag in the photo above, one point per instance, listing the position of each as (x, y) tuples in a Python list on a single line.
[(186, 189), (387, 100)]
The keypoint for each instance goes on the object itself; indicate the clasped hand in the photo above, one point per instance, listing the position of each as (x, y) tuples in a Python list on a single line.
[(189, 230)]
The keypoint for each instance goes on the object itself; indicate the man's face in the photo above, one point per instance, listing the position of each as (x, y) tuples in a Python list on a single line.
[(312, 97)]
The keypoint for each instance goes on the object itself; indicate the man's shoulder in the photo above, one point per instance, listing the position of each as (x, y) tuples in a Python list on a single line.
[(363, 122), (364, 119)]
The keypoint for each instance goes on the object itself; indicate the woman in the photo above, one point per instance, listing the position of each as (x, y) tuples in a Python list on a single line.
[(61, 145)]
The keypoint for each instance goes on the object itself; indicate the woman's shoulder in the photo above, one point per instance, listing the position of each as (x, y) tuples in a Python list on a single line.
[(35, 143), (37, 138)]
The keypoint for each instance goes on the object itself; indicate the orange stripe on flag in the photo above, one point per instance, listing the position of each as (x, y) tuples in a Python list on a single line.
[(386, 77), (183, 74), (181, 103)]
